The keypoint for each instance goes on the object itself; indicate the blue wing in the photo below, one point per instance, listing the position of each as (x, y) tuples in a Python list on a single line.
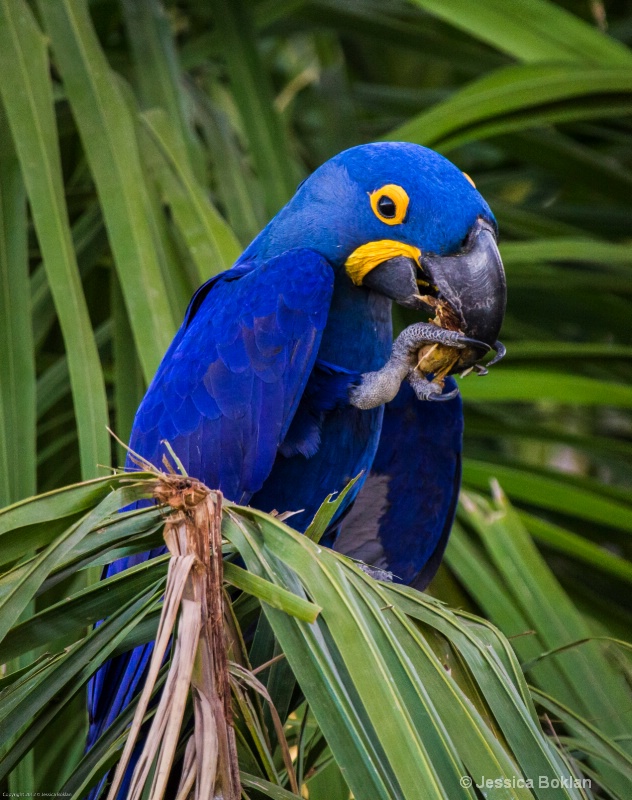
[(226, 391), (402, 517), (224, 397)]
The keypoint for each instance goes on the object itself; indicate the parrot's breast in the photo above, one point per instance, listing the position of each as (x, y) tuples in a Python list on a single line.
[(338, 443), (348, 443), (359, 332)]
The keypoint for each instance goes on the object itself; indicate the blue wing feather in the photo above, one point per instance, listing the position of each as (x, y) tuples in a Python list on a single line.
[(236, 371), (224, 397), (402, 516)]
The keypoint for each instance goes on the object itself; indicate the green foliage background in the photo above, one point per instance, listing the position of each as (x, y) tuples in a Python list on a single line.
[(143, 144)]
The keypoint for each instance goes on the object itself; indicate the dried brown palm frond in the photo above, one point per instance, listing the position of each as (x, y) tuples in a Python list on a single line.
[(193, 614)]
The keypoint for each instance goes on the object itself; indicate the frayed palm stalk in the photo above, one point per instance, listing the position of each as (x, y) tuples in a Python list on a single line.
[(199, 662)]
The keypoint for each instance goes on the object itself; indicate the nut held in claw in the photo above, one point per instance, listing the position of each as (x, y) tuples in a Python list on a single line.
[(439, 360)]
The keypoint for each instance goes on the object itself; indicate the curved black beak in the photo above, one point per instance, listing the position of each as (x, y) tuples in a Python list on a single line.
[(472, 282)]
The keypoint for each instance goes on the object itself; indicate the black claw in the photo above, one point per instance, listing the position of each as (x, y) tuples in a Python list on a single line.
[(501, 351), (465, 341), (437, 398)]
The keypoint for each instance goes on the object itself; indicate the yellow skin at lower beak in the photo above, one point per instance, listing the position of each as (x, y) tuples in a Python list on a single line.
[(372, 254)]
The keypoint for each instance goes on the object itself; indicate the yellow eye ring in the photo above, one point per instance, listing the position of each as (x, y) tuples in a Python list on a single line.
[(390, 204)]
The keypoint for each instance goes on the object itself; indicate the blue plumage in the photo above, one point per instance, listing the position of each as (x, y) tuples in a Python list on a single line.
[(330, 213), (226, 392), (402, 517), (253, 393)]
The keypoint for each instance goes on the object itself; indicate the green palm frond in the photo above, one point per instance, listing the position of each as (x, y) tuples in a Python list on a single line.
[(410, 696)]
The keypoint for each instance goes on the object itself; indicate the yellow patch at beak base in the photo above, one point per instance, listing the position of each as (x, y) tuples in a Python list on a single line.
[(370, 255)]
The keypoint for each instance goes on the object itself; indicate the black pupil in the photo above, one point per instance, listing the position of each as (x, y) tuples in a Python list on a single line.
[(386, 207)]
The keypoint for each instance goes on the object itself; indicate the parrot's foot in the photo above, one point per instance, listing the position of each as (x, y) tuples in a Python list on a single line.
[(412, 338), (429, 390), (381, 387)]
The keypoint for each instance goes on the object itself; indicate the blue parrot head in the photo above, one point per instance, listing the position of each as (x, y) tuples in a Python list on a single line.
[(401, 220)]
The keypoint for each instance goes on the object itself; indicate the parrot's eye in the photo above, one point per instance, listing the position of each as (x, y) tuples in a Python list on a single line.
[(390, 204), (386, 207)]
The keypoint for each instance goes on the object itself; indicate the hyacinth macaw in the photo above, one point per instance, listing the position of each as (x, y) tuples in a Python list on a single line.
[(283, 382)]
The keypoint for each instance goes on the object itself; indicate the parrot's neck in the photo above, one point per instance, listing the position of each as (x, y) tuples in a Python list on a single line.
[(359, 332)]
